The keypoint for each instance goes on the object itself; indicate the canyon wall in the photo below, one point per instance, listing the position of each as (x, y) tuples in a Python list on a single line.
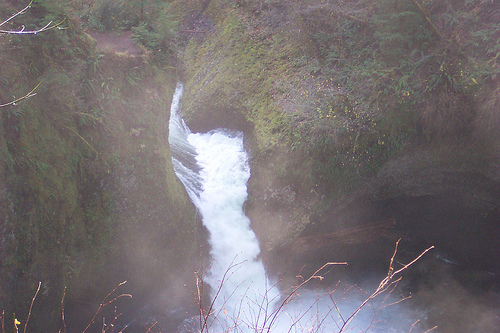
[(89, 197), (366, 123)]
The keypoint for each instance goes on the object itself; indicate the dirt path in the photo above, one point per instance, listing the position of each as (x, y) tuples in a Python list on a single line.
[(120, 43)]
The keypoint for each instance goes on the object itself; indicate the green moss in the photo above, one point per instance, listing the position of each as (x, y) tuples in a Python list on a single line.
[(86, 181), (238, 70), (350, 91)]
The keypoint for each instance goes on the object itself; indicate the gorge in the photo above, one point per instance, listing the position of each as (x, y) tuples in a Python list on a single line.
[(361, 122), (214, 169)]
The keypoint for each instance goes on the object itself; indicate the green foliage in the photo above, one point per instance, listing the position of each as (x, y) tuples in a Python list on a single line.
[(158, 35), (395, 82), (147, 36), (399, 27), (65, 152), (108, 15), (112, 15), (353, 84), (239, 65)]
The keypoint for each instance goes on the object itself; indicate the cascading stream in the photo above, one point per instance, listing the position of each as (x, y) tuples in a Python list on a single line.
[(214, 169)]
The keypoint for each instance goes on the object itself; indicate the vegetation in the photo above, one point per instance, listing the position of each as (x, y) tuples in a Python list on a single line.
[(85, 176), (341, 89), (210, 318), (349, 107), (255, 315), (350, 84)]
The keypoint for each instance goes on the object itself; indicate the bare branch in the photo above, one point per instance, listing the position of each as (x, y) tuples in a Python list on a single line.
[(106, 302), (206, 313), (413, 261), (62, 312), (150, 327), (385, 284), (22, 11), (22, 30), (287, 299), (422, 10), (82, 138), (28, 95), (31, 306)]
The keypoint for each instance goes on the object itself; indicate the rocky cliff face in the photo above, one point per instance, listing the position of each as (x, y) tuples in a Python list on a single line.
[(342, 167), (366, 122), (88, 194), (250, 67)]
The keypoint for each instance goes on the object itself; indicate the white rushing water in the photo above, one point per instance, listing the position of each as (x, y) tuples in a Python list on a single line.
[(214, 169)]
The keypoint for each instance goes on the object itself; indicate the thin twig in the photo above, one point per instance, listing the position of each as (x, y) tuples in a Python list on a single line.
[(22, 30), (427, 18), (330, 295), (111, 326), (83, 139), (105, 303), (398, 301), (413, 325), (205, 314), (150, 327), (287, 299), (211, 311), (62, 311), (31, 306), (385, 283), (413, 261), (28, 95), (22, 11), (16, 322)]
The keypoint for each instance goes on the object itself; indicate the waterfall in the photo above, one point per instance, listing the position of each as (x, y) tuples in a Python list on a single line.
[(214, 169), (183, 153)]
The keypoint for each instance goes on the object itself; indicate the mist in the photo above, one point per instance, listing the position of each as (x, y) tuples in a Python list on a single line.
[(319, 132)]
